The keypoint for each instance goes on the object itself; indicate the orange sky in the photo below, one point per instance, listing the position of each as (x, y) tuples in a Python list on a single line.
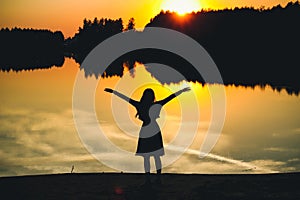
[(67, 15)]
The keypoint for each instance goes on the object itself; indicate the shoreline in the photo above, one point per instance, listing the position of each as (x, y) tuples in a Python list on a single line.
[(164, 186)]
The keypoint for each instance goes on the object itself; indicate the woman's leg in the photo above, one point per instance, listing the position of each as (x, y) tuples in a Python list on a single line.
[(147, 164), (157, 164)]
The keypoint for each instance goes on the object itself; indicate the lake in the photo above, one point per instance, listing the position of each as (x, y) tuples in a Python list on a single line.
[(261, 131)]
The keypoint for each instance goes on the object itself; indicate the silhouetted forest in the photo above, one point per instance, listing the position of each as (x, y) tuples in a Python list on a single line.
[(250, 46), (90, 35), (25, 49)]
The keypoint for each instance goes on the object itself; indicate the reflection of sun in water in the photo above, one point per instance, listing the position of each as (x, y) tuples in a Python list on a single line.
[(181, 6)]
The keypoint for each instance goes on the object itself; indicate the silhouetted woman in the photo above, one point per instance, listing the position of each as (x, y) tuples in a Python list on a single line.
[(150, 139)]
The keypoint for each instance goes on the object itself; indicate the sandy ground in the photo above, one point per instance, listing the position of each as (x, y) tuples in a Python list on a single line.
[(137, 186)]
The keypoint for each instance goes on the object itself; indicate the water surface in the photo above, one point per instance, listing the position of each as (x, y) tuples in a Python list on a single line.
[(261, 133)]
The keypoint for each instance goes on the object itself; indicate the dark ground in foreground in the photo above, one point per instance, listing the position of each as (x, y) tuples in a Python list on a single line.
[(135, 186)]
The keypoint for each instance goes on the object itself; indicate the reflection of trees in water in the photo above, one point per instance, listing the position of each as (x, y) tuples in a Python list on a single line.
[(250, 46), (24, 49), (90, 35)]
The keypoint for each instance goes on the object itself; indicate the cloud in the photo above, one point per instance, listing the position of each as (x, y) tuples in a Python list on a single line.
[(39, 142), (276, 149), (240, 165), (47, 142), (296, 130), (294, 160)]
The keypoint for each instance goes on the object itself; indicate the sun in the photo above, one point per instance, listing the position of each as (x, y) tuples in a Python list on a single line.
[(181, 6)]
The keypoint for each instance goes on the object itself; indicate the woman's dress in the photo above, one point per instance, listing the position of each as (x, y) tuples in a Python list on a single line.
[(150, 141)]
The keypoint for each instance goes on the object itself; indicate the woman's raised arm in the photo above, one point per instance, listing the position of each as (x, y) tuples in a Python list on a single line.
[(172, 96), (122, 96)]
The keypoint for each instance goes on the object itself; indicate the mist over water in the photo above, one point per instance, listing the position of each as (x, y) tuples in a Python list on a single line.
[(38, 134)]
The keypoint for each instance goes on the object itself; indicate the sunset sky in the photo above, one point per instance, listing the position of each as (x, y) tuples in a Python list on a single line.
[(67, 15)]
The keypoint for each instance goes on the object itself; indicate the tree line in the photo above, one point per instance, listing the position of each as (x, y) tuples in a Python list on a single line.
[(30, 49), (250, 46)]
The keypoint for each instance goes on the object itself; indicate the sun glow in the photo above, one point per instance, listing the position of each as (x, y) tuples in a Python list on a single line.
[(181, 6)]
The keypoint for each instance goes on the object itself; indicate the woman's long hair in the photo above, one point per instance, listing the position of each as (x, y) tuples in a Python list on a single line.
[(147, 98)]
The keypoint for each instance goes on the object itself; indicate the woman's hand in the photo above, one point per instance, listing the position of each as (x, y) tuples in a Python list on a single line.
[(109, 90), (185, 89)]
